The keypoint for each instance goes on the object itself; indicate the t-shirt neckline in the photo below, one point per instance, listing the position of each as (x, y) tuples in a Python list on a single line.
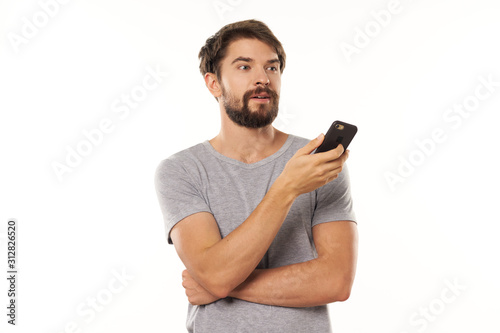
[(264, 161)]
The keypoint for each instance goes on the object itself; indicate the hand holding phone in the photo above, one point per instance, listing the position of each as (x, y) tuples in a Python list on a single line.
[(339, 132)]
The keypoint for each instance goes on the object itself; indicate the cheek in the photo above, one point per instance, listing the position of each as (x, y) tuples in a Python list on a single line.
[(276, 84), (234, 87)]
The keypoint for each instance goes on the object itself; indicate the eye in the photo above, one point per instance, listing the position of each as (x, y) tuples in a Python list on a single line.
[(244, 67), (273, 68)]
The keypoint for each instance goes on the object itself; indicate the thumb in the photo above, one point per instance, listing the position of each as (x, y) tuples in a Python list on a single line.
[(311, 145)]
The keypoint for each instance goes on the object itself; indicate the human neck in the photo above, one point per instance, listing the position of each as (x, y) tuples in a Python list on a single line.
[(248, 145)]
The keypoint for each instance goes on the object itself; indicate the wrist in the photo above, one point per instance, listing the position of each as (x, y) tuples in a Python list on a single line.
[(283, 189)]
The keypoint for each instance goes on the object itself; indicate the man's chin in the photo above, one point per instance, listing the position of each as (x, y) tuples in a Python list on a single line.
[(261, 107), (253, 115), (255, 122)]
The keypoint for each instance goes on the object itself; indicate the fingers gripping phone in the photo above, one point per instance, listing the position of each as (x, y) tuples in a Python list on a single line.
[(339, 132)]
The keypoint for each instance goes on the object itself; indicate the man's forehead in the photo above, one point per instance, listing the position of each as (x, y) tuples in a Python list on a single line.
[(250, 48)]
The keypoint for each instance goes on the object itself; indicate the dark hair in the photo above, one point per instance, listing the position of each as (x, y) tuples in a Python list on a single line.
[(215, 47)]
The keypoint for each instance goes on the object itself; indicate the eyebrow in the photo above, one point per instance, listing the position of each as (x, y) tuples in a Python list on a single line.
[(245, 59)]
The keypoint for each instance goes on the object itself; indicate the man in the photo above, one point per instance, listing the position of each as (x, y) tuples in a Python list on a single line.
[(265, 228)]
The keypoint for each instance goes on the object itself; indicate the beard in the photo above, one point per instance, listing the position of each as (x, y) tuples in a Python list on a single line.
[(241, 115)]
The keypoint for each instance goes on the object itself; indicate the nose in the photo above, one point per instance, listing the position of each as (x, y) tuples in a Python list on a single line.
[(261, 78)]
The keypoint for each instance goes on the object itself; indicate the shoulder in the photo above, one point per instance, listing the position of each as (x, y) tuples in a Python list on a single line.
[(297, 142), (183, 161)]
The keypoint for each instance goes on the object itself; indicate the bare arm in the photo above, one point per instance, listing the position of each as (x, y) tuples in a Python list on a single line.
[(320, 281), (220, 265), (323, 280)]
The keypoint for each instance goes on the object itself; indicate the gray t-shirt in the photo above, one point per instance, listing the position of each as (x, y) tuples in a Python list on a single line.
[(200, 179)]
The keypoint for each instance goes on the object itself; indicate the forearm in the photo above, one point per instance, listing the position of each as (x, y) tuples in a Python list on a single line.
[(305, 284), (228, 262)]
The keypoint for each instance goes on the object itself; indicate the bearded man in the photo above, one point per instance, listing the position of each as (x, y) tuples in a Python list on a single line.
[(265, 229)]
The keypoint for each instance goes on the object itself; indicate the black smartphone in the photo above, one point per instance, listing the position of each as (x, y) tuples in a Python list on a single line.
[(339, 132)]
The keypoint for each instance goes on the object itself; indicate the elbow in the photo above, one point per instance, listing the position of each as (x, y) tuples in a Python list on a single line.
[(218, 282), (337, 294), (221, 292), (218, 290), (340, 290), (343, 295), (215, 285)]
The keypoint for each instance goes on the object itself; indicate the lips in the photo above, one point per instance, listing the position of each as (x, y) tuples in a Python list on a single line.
[(260, 96)]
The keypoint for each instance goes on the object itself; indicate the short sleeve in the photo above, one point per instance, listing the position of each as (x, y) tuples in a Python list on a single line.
[(334, 201), (179, 193)]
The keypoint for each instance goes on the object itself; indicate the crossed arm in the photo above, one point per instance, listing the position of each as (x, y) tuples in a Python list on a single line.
[(219, 267), (323, 280)]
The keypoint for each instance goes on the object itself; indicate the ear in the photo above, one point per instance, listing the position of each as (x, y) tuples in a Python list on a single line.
[(213, 84)]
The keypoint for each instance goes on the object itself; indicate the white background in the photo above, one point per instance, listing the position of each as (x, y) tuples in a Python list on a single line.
[(437, 226)]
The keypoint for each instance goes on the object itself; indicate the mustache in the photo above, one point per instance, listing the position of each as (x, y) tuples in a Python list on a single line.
[(272, 94)]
